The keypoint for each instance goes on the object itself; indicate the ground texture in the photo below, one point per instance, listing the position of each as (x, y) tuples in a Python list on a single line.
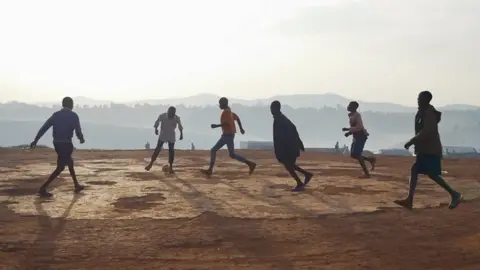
[(131, 219)]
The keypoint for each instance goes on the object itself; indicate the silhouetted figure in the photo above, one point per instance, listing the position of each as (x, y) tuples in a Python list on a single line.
[(337, 148), (287, 145), (147, 146), (227, 123), (168, 123), (428, 150), (192, 147), (64, 123), (360, 136)]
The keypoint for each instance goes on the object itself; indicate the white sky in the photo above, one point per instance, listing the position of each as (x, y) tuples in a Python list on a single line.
[(373, 50)]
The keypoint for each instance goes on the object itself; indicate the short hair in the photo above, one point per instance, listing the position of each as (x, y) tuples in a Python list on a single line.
[(223, 100), (172, 108), (427, 95), (67, 102), (276, 105), (354, 104)]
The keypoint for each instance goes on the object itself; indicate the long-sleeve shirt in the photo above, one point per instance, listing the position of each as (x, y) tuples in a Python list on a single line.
[(356, 124), (64, 122), (286, 141), (168, 126), (427, 138)]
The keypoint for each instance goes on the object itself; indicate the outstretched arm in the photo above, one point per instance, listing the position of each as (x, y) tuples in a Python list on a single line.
[(157, 123), (44, 129), (224, 121)]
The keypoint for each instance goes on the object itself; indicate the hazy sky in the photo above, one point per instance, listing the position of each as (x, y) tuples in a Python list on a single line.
[(375, 50)]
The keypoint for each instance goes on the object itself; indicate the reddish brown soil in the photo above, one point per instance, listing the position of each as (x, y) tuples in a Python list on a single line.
[(131, 219)]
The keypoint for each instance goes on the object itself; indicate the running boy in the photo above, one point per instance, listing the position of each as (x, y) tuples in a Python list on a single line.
[(428, 150), (287, 145), (168, 123), (360, 136), (227, 123), (64, 123)]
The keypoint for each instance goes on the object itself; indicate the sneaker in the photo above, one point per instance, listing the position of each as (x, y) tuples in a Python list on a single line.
[(308, 177), (252, 167), (79, 188), (44, 194), (404, 203), (456, 200), (298, 188)]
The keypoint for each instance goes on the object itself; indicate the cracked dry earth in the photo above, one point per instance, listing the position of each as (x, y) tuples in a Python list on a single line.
[(131, 219)]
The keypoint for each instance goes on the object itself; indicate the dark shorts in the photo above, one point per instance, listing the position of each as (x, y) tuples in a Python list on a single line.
[(64, 153), (357, 146), (428, 164)]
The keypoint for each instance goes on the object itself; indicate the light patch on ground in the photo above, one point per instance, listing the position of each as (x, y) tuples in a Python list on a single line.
[(122, 189)]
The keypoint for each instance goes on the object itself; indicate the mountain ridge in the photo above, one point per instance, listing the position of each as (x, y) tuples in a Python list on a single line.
[(295, 101)]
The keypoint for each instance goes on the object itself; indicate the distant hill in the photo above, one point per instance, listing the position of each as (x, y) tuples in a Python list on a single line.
[(294, 101), (130, 127)]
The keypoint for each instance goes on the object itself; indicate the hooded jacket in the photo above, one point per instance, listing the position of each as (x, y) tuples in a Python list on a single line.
[(286, 141), (427, 138)]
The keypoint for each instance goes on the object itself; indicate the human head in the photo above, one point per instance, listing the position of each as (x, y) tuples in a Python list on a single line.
[(67, 103), (424, 98), (352, 106), (171, 111), (275, 107), (223, 103)]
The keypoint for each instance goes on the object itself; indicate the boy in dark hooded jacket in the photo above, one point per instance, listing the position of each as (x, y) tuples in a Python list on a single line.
[(428, 150), (287, 145)]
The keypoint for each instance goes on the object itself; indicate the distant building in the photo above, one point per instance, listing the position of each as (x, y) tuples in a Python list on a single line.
[(394, 152), (256, 145), (460, 151)]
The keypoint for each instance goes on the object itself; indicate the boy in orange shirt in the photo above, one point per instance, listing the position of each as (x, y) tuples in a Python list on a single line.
[(227, 123)]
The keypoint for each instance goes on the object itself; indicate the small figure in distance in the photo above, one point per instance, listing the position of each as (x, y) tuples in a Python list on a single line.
[(168, 123), (428, 150), (287, 145), (64, 123), (227, 123), (360, 136)]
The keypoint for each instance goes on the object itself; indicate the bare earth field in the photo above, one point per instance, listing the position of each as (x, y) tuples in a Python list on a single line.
[(131, 219)]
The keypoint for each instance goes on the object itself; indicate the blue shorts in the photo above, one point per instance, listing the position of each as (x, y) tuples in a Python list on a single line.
[(357, 146), (428, 164), (64, 153)]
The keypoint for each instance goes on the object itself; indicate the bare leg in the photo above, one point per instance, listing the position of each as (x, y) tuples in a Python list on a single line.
[(43, 189), (171, 156), (155, 154), (71, 169), (290, 167), (308, 175)]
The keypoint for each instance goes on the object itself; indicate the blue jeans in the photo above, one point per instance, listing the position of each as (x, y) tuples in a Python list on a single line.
[(225, 140)]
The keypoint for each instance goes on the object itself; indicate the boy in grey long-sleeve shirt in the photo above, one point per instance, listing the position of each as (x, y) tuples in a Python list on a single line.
[(64, 122)]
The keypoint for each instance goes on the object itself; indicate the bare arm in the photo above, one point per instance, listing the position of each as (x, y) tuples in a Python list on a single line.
[(236, 118), (180, 126)]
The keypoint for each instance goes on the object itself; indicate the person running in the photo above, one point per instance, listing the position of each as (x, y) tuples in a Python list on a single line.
[(287, 145), (360, 136), (227, 123), (64, 123), (168, 123), (428, 150)]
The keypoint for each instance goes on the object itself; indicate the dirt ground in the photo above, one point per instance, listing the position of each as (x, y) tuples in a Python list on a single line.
[(131, 219)]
